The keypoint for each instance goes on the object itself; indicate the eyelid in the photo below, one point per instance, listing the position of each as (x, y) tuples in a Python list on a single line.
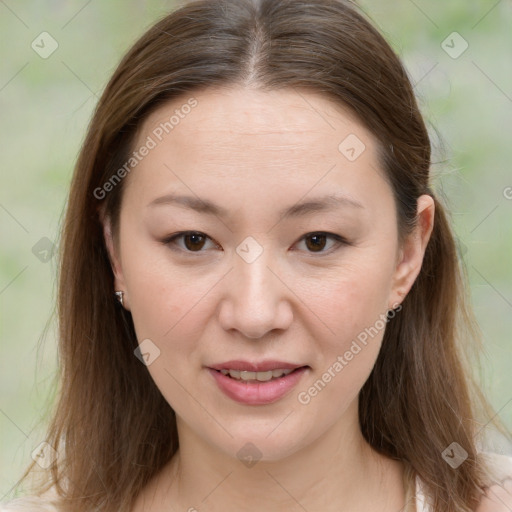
[(168, 241), (340, 241)]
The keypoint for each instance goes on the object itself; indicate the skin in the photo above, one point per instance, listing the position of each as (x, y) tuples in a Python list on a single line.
[(498, 497), (255, 153)]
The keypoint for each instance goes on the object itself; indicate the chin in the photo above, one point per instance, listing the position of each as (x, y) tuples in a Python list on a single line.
[(259, 446)]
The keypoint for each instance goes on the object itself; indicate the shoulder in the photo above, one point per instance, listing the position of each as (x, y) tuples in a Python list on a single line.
[(30, 504), (27, 505), (498, 495)]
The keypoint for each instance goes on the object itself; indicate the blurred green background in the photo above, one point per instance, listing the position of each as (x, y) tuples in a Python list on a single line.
[(46, 103)]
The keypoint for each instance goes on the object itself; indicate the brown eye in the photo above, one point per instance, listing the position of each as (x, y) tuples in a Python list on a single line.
[(317, 242), (191, 241), (194, 241)]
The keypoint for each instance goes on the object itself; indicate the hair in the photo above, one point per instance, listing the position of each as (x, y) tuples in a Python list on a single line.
[(110, 425)]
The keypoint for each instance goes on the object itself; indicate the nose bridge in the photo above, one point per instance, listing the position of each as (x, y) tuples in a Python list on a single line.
[(256, 300), (255, 279)]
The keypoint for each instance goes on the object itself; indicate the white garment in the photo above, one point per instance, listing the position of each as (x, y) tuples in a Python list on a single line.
[(501, 468), (500, 464)]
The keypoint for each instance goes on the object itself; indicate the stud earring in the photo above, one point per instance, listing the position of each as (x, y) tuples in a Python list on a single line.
[(119, 296)]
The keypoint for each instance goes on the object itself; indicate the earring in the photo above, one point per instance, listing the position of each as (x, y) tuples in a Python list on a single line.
[(119, 296)]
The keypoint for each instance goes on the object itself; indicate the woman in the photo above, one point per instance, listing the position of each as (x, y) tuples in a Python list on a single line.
[(261, 305)]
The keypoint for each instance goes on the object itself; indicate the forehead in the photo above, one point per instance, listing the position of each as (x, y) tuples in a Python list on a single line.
[(271, 120), (289, 140)]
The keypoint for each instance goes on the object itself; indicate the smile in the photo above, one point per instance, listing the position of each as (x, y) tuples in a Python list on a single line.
[(255, 376), (257, 388)]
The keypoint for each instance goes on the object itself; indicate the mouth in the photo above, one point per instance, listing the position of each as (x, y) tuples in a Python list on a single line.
[(248, 376), (257, 384)]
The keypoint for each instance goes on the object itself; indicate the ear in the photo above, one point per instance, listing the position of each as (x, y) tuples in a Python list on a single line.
[(114, 257), (410, 257)]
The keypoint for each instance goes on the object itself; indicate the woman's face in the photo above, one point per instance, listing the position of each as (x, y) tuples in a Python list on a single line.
[(292, 263)]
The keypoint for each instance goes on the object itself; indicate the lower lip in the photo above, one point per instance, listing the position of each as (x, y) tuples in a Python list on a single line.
[(257, 393)]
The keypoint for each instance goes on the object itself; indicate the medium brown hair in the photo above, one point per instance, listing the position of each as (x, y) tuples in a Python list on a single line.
[(111, 426)]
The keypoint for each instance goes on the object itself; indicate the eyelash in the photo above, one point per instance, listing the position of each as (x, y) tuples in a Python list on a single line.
[(170, 241)]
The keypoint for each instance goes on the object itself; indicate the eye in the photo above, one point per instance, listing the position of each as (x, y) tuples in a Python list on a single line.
[(194, 241), (315, 242)]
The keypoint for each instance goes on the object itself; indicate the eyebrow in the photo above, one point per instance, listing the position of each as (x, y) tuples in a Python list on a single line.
[(315, 205)]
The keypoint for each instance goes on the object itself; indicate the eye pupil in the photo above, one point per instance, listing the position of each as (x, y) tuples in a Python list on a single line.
[(196, 239), (319, 244)]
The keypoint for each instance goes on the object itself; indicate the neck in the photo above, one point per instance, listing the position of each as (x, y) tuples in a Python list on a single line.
[(339, 471)]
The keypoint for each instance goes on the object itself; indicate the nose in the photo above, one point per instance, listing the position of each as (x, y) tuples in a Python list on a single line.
[(256, 300)]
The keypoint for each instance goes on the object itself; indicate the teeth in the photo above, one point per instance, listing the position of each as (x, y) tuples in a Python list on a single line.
[(259, 376)]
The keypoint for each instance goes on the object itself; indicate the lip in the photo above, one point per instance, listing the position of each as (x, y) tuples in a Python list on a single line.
[(257, 393), (261, 366)]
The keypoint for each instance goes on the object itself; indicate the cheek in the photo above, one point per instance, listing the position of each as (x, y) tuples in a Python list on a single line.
[(352, 297), (161, 294), (353, 304), (354, 308), (169, 307)]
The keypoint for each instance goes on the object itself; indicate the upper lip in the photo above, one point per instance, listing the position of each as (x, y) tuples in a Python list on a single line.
[(260, 366)]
